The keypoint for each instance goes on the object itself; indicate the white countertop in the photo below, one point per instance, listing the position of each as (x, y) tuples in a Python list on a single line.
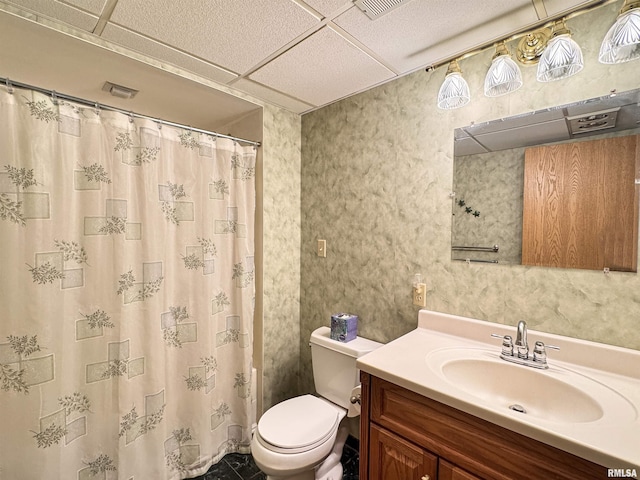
[(612, 441)]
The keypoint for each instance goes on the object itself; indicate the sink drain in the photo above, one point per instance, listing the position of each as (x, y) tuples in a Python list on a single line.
[(517, 408)]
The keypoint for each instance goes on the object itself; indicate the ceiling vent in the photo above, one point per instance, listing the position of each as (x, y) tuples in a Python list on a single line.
[(119, 91), (593, 121), (377, 8)]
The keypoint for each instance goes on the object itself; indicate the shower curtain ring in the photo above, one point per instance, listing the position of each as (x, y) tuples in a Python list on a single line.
[(54, 98), (97, 108), (9, 86), (130, 117)]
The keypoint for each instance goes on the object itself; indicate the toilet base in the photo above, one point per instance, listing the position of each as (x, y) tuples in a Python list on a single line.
[(329, 469), (301, 476)]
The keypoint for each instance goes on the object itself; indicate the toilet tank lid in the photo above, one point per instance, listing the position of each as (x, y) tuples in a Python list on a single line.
[(355, 348)]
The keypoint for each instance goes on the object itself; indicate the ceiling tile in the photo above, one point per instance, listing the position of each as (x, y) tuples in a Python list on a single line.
[(234, 34), (161, 52), (467, 146), (58, 11), (517, 121), (555, 7), (422, 32), (323, 68), (271, 96), (328, 7), (93, 6), (553, 131)]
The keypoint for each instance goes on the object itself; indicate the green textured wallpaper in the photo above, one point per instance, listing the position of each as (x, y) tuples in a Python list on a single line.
[(281, 238), (376, 178)]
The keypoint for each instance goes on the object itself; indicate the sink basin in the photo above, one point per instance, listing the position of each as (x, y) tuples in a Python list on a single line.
[(555, 395)]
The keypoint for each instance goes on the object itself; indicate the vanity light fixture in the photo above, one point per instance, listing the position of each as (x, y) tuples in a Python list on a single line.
[(532, 45), (454, 91), (504, 74), (550, 46), (562, 57), (622, 41)]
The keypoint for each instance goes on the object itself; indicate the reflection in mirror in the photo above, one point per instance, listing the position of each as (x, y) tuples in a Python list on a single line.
[(489, 171)]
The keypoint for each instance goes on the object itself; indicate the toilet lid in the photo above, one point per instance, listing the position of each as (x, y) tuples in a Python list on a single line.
[(299, 422)]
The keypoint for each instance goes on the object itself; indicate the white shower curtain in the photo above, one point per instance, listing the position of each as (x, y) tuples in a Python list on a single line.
[(126, 294)]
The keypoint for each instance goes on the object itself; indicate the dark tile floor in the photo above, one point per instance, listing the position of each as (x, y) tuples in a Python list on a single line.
[(236, 466)]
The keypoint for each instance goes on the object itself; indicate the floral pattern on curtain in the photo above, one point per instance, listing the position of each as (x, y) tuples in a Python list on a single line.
[(126, 294)]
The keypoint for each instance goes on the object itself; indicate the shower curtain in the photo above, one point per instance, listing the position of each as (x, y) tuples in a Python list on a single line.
[(126, 294)]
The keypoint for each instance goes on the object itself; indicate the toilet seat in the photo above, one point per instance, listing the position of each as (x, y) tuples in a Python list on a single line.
[(299, 424)]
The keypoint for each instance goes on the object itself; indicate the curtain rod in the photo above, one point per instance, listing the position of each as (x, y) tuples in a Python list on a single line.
[(10, 84)]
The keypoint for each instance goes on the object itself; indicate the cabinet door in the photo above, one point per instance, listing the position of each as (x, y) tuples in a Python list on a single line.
[(581, 205), (393, 458), (448, 471)]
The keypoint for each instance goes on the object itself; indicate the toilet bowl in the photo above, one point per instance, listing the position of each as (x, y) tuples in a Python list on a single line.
[(302, 438), (296, 437)]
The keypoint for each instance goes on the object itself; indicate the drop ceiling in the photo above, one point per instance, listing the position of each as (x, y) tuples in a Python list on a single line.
[(601, 115), (297, 54)]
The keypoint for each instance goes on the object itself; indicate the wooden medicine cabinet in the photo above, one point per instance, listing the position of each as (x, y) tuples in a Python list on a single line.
[(581, 205)]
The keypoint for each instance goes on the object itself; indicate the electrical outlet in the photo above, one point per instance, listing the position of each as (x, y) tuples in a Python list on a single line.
[(420, 294), (322, 248)]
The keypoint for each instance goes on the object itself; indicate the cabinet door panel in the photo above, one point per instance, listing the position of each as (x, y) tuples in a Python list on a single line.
[(393, 458), (581, 205), (447, 471)]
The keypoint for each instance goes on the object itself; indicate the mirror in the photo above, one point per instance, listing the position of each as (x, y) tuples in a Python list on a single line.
[(488, 172)]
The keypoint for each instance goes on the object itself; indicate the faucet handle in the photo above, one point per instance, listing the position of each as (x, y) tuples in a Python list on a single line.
[(540, 352), (507, 344)]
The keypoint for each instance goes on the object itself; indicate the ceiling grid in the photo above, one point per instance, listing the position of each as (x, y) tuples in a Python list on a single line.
[(298, 54)]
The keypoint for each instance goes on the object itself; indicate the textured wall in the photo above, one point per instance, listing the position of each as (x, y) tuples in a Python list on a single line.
[(376, 178), (489, 184), (281, 249)]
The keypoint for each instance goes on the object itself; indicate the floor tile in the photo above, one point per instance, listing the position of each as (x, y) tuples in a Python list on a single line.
[(236, 466), (243, 465), (220, 471), (351, 460)]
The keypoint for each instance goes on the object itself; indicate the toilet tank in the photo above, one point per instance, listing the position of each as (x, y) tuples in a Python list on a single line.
[(334, 364)]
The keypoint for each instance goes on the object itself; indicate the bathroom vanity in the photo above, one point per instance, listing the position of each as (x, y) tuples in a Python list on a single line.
[(440, 403), (411, 437)]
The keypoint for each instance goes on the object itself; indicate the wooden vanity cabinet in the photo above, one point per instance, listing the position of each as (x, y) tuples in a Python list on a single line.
[(394, 458), (405, 436)]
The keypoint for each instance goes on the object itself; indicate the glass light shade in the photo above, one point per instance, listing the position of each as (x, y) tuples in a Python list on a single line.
[(454, 92), (622, 41), (561, 59), (503, 77)]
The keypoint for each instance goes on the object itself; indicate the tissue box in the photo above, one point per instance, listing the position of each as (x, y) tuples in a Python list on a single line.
[(344, 327)]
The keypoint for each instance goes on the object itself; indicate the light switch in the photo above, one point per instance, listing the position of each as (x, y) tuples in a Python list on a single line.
[(322, 248)]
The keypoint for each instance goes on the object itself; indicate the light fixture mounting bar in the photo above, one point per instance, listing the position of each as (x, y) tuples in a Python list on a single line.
[(546, 23)]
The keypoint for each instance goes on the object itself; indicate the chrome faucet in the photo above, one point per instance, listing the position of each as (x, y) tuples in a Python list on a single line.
[(521, 353), (521, 340)]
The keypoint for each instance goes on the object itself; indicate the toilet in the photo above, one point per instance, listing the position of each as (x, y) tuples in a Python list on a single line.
[(302, 438)]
